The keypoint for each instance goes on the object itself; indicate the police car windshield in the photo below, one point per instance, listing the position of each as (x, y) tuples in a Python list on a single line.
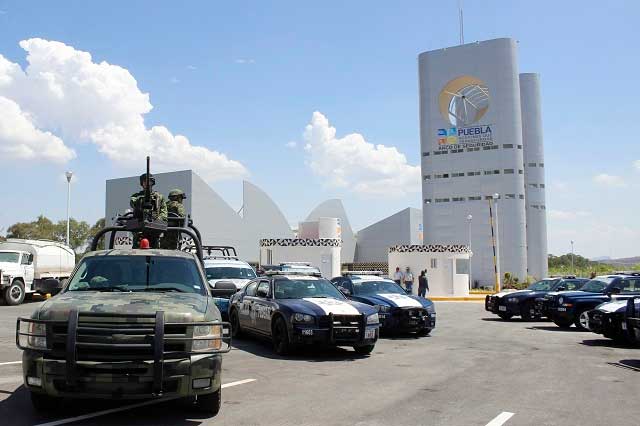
[(9, 257), (301, 288), (543, 285), (137, 273), (597, 285), (226, 272), (376, 287)]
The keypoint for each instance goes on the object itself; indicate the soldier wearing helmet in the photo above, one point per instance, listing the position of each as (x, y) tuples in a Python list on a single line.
[(177, 213), (157, 205)]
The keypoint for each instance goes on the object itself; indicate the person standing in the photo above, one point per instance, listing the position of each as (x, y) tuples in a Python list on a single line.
[(408, 280), (398, 276), (156, 206), (423, 284), (176, 214)]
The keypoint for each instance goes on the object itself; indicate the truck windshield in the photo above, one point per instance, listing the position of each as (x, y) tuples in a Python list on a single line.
[(376, 287), (227, 272), (137, 273), (300, 288), (9, 256)]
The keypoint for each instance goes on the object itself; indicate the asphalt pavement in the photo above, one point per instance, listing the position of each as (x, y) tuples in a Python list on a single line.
[(474, 369)]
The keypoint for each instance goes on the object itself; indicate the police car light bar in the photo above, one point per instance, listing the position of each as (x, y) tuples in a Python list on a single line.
[(296, 264), (377, 273), (293, 272)]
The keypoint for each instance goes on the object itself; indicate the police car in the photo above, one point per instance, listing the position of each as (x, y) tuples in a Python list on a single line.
[(632, 317), (568, 308), (302, 308), (608, 319), (398, 311), (523, 302)]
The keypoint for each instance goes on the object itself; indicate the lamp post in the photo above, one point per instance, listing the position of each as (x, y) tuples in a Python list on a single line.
[(573, 271), (68, 175), (469, 219), (496, 197)]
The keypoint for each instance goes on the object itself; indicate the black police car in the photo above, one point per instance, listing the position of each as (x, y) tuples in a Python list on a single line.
[(632, 317), (298, 308), (523, 302), (398, 311), (567, 307), (608, 319)]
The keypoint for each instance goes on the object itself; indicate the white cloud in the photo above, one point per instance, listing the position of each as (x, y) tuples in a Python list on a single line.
[(609, 180), (636, 164), (174, 80), (21, 140), (64, 92), (291, 144), (245, 61), (191, 67), (353, 163), (567, 215)]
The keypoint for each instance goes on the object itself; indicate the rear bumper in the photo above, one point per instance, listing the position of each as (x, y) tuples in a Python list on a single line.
[(121, 380)]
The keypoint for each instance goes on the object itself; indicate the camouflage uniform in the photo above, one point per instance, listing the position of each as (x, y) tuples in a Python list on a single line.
[(158, 210), (175, 206)]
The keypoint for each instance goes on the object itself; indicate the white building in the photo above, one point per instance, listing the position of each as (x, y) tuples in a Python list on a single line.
[(475, 119)]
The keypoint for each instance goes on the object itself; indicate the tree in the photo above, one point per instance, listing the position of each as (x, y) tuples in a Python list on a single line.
[(44, 229)]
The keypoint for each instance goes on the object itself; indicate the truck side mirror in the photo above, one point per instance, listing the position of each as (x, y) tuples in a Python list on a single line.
[(31, 259), (51, 286)]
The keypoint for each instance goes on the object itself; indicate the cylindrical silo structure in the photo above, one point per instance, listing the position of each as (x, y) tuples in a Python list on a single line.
[(536, 208)]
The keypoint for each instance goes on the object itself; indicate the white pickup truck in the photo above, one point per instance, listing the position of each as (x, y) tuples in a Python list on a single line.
[(26, 264)]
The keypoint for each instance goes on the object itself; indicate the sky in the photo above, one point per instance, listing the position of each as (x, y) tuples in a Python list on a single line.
[(309, 101)]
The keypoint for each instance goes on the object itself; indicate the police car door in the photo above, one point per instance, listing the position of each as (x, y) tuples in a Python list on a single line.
[(263, 307), (246, 305)]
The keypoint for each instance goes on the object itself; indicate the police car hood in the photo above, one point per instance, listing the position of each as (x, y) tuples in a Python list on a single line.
[(238, 282), (613, 306), (177, 307), (396, 300), (320, 306), (578, 293), (511, 293)]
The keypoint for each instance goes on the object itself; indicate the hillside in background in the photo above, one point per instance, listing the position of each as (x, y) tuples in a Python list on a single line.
[(561, 265)]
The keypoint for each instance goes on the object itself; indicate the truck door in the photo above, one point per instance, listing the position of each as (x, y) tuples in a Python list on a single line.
[(26, 263)]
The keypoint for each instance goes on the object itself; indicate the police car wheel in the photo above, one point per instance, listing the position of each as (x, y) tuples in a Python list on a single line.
[(209, 403), (280, 337), (364, 350), (236, 331), (424, 332), (562, 323), (42, 402), (527, 311), (579, 325), (505, 316)]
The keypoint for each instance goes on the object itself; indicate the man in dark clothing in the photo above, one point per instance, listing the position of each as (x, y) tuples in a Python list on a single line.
[(423, 284)]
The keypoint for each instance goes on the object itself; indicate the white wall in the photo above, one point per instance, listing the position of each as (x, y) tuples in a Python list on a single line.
[(443, 279), (327, 259)]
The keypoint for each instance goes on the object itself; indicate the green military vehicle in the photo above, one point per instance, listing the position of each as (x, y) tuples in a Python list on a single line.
[(128, 324)]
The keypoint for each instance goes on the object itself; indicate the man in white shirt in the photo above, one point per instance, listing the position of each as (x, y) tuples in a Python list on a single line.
[(398, 277), (408, 280)]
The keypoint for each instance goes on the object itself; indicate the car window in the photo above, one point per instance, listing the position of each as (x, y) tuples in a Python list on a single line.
[(573, 284), (629, 285), (251, 289), (25, 259), (301, 288), (9, 257), (543, 285), (376, 287), (229, 272), (263, 287)]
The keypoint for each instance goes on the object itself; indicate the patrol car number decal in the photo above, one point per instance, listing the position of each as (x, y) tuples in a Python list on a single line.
[(401, 300), (333, 306)]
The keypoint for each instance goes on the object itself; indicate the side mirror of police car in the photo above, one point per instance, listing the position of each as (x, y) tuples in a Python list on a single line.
[(262, 293), (345, 291), (561, 288), (51, 286), (614, 290)]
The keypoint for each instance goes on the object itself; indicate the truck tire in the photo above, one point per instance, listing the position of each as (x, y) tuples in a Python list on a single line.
[(234, 319), (209, 403), (43, 403), (364, 350), (14, 294)]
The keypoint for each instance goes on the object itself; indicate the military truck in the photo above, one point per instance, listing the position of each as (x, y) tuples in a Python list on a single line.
[(129, 324)]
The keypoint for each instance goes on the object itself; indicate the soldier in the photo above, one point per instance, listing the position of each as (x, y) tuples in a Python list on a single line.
[(176, 210), (157, 206)]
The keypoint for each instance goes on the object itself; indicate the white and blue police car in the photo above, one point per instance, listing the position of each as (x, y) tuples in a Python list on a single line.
[(398, 311)]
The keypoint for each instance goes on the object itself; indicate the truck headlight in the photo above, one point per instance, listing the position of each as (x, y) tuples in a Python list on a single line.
[(383, 308), (33, 335), (373, 319), (207, 337), (303, 318)]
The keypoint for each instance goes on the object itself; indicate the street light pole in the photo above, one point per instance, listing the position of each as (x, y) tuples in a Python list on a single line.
[(469, 219), (573, 271), (496, 197), (68, 175)]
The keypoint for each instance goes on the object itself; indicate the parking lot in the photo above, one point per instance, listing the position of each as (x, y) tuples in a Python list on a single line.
[(473, 370)]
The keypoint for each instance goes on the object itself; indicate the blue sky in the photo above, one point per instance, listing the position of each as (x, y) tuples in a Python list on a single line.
[(244, 79)]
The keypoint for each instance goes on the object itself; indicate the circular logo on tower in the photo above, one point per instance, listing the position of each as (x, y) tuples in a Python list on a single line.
[(464, 101)]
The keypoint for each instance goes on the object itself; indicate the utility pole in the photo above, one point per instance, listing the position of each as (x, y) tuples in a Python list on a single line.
[(461, 21), (469, 219), (573, 271), (495, 236), (68, 175)]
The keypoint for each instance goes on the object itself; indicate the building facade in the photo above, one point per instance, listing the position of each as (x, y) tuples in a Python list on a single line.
[(471, 131)]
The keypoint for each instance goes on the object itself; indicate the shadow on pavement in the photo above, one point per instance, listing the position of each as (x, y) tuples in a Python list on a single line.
[(608, 343), (630, 364), (312, 353), (554, 328), (18, 411)]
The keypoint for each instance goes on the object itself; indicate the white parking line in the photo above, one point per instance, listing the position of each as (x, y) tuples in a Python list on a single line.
[(501, 419), (11, 362), (129, 407)]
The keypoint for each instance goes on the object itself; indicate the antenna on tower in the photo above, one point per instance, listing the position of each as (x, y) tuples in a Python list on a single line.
[(461, 19)]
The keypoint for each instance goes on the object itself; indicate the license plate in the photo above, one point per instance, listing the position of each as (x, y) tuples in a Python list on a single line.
[(562, 309), (413, 322), (624, 325), (307, 332), (370, 333), (502, 308), (344, 331)]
